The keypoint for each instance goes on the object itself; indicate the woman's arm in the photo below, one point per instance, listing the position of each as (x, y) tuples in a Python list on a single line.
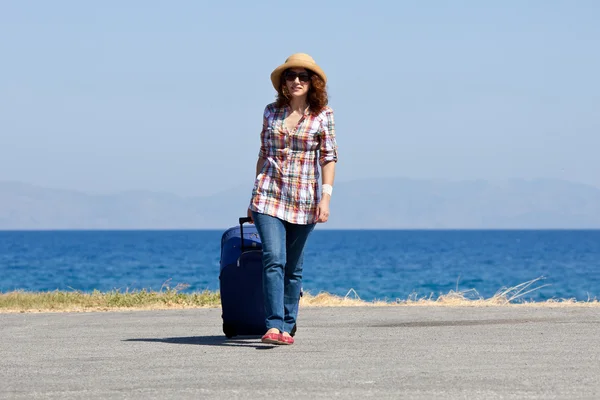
[(262, 153), (259, 164), (328, 172), (328, 158)]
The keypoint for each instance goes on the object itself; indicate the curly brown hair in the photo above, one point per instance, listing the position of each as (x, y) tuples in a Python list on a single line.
[(317, 93)]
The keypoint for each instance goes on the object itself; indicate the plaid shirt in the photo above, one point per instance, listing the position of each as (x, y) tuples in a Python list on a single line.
[(287, 186)]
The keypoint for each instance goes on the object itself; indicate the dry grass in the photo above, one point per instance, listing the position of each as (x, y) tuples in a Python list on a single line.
[(506, 296), (511, 296), (173, 298), (61, 301)]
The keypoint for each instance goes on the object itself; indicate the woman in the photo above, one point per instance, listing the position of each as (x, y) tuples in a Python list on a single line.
[(298, 136)]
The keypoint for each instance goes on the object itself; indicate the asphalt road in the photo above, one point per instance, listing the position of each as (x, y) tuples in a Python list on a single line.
[(357, 352)]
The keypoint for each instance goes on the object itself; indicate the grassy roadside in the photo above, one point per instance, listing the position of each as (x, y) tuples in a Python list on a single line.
[(75, 301)]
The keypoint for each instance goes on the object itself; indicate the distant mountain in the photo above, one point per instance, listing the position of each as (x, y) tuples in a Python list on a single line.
[(366, 204)]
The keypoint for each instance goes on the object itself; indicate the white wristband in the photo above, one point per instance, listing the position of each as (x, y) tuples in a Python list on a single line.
[(327, 188)]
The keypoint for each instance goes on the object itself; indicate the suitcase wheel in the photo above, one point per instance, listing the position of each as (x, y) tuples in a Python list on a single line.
[(229, 331)]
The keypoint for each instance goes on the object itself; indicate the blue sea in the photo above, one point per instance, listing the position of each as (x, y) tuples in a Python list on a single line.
[(373, 264)]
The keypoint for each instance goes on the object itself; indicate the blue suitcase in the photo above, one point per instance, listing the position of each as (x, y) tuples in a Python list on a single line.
[(240, 281)]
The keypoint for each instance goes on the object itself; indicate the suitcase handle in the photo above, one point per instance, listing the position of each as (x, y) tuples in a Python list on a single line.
[(242, 221)]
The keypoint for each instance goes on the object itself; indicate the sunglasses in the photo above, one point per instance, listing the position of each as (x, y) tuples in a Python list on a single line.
[(291, 76)]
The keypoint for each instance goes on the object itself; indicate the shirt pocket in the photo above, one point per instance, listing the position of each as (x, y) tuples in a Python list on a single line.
[(276, 137)]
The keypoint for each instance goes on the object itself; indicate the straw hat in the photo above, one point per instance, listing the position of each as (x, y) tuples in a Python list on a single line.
[(298, 60)]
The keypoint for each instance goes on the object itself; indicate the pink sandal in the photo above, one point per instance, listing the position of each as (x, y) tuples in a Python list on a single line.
[(272, 338), (285, 339)]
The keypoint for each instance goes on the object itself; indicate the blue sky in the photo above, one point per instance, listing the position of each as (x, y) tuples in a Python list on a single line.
[(168, 96)]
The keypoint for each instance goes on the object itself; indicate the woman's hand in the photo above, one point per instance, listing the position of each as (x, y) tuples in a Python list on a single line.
[(323, 209)]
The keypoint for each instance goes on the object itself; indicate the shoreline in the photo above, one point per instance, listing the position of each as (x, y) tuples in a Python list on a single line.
[(171, 299)]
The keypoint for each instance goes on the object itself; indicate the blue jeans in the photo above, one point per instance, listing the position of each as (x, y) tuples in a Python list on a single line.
[(283, 255)]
